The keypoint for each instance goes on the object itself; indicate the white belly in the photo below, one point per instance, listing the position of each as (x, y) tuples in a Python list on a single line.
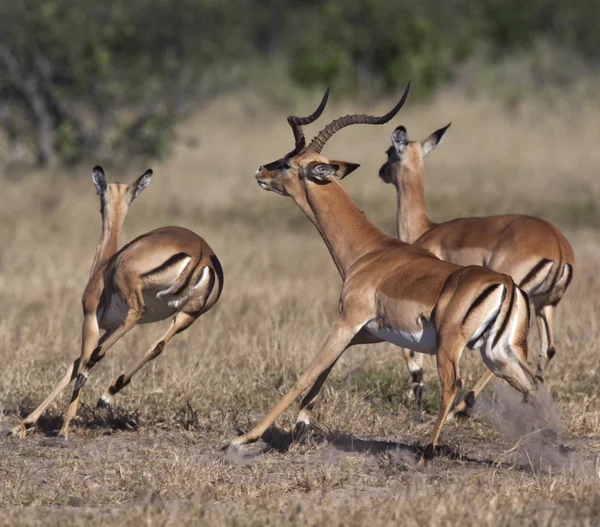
[(156, 309), (423, 341)]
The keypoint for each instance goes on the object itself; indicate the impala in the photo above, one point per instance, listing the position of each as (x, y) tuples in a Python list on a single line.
[(532, 251), (393, 291), (167, 272)]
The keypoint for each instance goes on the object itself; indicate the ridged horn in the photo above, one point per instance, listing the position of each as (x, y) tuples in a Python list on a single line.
[(317, 144), (298, 122)]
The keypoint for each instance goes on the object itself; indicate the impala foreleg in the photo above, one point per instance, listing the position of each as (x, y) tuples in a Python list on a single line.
[(33, 417), (307, 405), (180, 322), (337, 341), (414, 363), (93, 351)]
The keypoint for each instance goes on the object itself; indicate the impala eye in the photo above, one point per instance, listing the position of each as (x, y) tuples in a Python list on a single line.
[(284, 164)]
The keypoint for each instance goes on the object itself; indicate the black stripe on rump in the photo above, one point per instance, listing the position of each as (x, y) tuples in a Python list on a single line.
[(507, 317), (528, 306), (570, 271), (218, 270), (175, 259), (480, 299), (534, 271), (567, 282)]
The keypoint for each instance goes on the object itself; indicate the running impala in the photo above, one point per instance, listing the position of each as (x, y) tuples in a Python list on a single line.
[(532, 251), (393, 291), (167, 272)]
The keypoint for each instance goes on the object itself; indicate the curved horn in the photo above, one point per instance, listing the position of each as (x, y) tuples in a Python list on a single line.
[(317, 144), (298, 122)]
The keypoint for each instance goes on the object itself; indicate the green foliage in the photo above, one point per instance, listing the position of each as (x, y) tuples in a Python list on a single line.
[(111, 78)]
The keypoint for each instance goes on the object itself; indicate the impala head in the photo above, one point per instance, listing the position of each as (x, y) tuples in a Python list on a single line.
[(406, 154), (118, 195), (286, 176)]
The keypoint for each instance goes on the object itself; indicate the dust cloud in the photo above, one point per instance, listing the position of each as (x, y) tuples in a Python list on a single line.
[(541, 441)]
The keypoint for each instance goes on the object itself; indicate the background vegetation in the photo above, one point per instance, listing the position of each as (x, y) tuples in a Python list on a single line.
[(111, 79), (205, 86)]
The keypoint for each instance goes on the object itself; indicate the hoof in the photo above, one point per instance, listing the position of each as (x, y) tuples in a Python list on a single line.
[(302, 432), (19, 431), (64, 433), (419, 391), (429, 452), (104, 401), (81, 378)]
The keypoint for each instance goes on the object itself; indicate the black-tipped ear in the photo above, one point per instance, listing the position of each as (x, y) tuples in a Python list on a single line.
[(400, 139), (99, 180), (141, 183), (325, 171), (434, 139)]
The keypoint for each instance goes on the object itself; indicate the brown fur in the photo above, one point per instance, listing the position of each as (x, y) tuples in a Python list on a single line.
[(532, 251), (390, 284), (124, 279)]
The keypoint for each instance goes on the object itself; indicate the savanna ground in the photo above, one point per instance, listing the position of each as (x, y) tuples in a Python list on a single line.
[(156, 457)]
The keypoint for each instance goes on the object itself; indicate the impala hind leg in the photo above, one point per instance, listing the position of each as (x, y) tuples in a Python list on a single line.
[(414, 363), (337, 341), (447, 363), (180, 323), (545, 323)]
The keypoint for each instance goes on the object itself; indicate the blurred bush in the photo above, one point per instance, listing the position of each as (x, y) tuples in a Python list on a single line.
[(109, 79)]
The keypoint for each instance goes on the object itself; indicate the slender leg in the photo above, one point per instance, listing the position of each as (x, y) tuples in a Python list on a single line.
[(310, 400), (414, 363), (21, 429), (91, 355), (307, 405), (471, 396), (70, 375), (545, 324), (180, 322), (447, 362), (337, 341)]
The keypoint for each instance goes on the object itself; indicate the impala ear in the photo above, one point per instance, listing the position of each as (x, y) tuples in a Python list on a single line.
[(99, 180), (344, 168), (325, 171), (141, 183), (434, 139), (400, 139)]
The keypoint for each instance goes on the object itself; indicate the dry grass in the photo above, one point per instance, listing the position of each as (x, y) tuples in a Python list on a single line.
[(156, 459)]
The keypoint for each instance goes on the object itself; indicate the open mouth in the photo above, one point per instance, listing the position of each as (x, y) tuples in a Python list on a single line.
[(262, 184)]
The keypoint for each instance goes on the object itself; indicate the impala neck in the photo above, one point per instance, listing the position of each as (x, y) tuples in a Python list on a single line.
[(302, 202), (345, 229), (113, 217), (411, 217)]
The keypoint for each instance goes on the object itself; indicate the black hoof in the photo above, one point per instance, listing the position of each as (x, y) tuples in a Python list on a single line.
[(81, 378), (302, 432), (470, 399), (102, 403), (429, 452)]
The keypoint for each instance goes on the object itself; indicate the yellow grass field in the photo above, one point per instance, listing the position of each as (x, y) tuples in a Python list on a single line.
[(156, 460)]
